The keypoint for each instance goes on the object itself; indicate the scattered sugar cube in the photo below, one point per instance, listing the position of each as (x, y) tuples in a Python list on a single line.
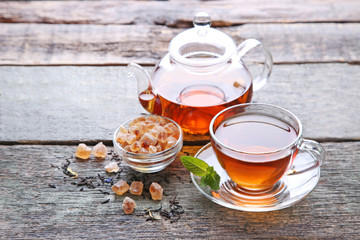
[(120, 187), (136, 188), (128, 205), (112, 167), (83, 151), (100, 150), (156, 191)]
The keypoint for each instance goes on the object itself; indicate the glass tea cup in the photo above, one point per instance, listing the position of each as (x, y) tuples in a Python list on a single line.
[(256, 145)]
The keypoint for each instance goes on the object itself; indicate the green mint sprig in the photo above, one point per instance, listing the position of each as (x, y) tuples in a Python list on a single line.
[(200, 168)]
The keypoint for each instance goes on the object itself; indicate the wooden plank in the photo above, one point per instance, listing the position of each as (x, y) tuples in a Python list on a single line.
[(71, 104), (178, 13), (31, 209), (46, 44)]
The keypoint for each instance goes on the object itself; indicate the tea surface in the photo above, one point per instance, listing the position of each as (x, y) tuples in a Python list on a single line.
[(255, 133)]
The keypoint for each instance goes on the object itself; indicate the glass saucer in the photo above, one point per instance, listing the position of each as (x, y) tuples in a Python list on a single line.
[(292, 188)]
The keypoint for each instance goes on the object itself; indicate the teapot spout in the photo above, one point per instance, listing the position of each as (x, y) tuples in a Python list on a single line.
[(141, 75), (147, 97)]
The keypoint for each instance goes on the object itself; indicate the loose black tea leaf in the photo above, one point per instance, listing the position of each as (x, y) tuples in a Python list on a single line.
[(106, 201), (104, 192), (67, 171), (175, 211), (101, 178), (157, 209), (53, 166)]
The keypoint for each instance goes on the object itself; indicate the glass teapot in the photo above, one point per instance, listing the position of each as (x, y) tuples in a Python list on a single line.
[(201, 75)]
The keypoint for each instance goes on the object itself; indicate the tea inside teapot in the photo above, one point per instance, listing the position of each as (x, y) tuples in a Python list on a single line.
[(193, 99)]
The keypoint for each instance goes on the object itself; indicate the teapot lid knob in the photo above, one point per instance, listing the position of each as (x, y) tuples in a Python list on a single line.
[(202, 22)]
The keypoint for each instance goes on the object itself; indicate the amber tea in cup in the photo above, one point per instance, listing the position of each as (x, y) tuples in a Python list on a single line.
[(256, 143)]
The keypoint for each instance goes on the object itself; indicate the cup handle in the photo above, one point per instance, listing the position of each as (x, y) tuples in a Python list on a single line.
[(315, 150), (245, 47)]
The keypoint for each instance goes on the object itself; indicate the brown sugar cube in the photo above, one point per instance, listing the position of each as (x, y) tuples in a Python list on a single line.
[(156, 191), (172, 130), (130, 138), (127, 148), (150, 126), (170, 142), (135, 147), (120, 187), (136, 120), (153, 131), (147, 139), (135, 130), (99, 150), (121, 138), (128, 205), (112, 167), (159, 133), (150, 118), (142, 127), (162, 135), (136, 188), (122, 129), (158, 147), (143, 151), (162, 121), (83, 151), (152, 149)]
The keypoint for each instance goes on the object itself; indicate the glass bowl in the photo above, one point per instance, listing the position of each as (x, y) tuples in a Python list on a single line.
[(148, 163)]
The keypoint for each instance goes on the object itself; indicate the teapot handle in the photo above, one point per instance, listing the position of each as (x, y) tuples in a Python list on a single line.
[(245, 47)]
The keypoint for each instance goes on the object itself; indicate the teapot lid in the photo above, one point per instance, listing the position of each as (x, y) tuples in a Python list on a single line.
[(202, 45)]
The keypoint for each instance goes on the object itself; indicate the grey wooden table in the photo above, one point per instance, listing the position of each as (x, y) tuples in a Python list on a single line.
[(63, 81)]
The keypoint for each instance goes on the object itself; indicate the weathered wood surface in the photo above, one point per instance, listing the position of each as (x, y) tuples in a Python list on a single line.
[(316, 45), (31, 209), (179, 13), (63, 44), (67, 104)]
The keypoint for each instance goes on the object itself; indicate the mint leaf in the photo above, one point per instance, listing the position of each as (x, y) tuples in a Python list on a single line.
[(211, 178), (195, 165), (200, 168)]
